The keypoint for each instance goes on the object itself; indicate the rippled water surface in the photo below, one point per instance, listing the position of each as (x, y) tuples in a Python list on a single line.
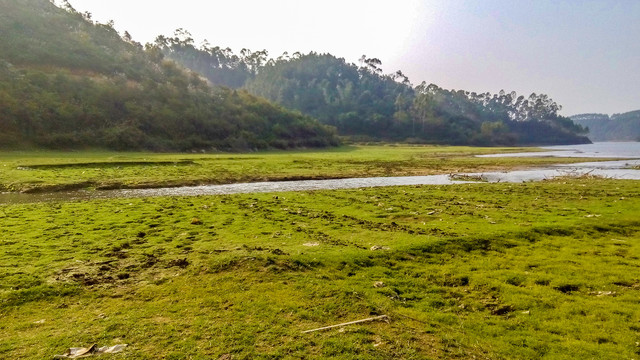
[(619, 169)]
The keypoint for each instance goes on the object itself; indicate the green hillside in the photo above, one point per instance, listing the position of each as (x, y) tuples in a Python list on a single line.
[(361, 100), (364, 103), (67, 82)]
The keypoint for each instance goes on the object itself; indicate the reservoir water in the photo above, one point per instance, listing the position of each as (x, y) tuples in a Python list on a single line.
[(618, 169), (619, 150)]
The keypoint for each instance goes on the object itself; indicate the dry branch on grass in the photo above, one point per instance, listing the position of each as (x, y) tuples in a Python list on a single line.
[(381, 317)]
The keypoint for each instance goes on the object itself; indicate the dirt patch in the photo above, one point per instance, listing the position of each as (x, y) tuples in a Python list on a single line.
[(181, 263), (120, 269)]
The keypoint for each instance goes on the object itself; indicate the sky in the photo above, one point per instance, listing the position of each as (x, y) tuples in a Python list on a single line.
[(585, 54)]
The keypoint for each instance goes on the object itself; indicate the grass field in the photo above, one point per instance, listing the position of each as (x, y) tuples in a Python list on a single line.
[(487, 271), (51, 171)]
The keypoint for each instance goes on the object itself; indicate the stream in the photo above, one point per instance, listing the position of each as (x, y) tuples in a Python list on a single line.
[(618, 169)]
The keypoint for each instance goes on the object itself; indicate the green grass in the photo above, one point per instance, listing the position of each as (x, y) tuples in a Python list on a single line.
[(513, 271), (51, 171)]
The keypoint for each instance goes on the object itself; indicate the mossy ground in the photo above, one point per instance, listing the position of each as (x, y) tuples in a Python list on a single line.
[(50, 171), (519, 271)]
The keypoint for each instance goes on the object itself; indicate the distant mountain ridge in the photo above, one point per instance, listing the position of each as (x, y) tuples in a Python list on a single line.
[(617, 127), (68, 82)]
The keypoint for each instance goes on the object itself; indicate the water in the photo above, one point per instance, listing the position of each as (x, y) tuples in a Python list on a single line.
[(624, 150), (615, 169), (618, 169), (242, 188)]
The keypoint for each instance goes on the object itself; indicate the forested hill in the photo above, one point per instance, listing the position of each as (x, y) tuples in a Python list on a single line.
[(68, 82), (618, 127), (364, 103)]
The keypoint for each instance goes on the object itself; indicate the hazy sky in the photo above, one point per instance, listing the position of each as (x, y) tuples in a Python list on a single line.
[(585, 54)]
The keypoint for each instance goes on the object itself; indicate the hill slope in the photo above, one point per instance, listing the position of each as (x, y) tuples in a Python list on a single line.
[(363, 103), (68, 82), (361, 100)]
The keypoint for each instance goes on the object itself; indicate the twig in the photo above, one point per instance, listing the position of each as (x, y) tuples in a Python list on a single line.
[(348, 323)]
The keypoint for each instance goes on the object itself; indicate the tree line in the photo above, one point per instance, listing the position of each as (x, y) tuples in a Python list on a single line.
[(364, 103)]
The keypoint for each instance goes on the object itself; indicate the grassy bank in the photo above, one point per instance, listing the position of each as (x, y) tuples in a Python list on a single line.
[(526, 271), (51, 171)]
